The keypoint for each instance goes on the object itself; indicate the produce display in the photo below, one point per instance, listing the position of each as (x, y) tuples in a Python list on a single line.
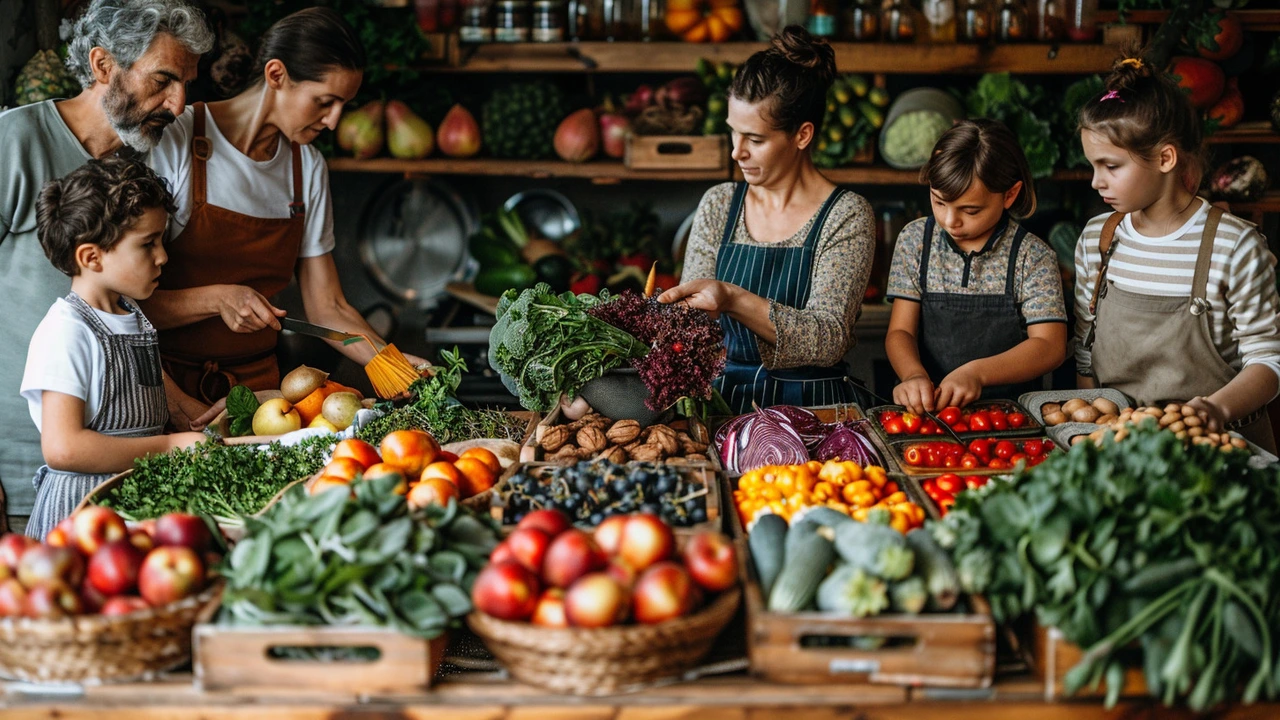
[(854, 114), (977, 454), (901, 422), (426, 473), (910, 137), (520, 120), (591, 492), (676, 108), (367, 130), (510, 257), (615, 249), (362, 558), (94, 563), (700, 21), (1150, 546), (1181, 420), (1242, 179), (717, 77), (310, 399), (1101, 411), (981, 417), (791, 491), (629, 569), (789, 435), (619, 441), (944, 488)]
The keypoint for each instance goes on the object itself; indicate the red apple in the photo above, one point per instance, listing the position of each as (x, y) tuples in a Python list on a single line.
[(663, 592), (123, 605), (169, 574), (507, 591), (13, 598), (645, 540), (113, 570), (571, 555), (50, 600), (608, 534), (182, 530), (502, 554), (551, 522), (619, 570), (96, 526), (90, 599), (529, 547), (6, 572), (712, 561), (142, 540), (550, 609), (46, 562), (596, 600), (62, 535), (11, 548)]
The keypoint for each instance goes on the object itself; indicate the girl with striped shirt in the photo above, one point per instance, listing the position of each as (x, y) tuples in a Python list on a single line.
[(1175, 298)]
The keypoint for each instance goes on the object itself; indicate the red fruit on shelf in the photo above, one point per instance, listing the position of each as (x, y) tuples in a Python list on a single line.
[(969, 462), (571, 555), (1004, 449), (961, 427), (608, 534), (973, 482), (169, 574), (1033, 447), (646, 540), (51, 599), (950, 484), (596, 600), (914, 456), (998, 464), (911, 422), (1017, 420), (712, 561), (502, 554), (979, 421), (182, 530), (1017, 458), (46, 562), (96, 526), (1048, 446), (114, 568), (507, 591), (949, 415), (529, 547), (551, 522), (549, 611), (893, 426), (663, 592), (980, 448)]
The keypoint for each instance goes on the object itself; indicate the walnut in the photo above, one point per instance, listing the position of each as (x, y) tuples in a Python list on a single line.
[(615, 455), (631, 446), (648, 453), (661, 431), (555, 437), (666, 441), (596, 420), (585, 454), (623, 432), (592, 439), (566, 455)]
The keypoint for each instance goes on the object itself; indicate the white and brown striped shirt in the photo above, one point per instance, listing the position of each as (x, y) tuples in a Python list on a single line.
[(1244, 318)]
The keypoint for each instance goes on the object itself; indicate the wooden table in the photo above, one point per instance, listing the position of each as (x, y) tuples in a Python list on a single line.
[(475, 696)]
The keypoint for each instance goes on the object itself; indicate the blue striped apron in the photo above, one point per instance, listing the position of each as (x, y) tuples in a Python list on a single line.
[(783, 275)]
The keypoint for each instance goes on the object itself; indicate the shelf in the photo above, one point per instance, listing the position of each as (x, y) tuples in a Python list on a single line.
[(1257, 132), (598, 171), (679, 57), (1264, 20), (881, 175), (1268, 203)]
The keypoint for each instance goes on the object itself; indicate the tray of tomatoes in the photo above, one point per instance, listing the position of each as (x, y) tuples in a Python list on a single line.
[(895, 422), (989, 418), (985, 455), (942, 490)]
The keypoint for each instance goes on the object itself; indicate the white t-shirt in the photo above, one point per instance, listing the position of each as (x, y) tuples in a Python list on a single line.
[(237, 183), (65, 356)]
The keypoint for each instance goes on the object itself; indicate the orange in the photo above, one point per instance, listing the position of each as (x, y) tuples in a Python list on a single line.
[(409, 450), (358, 450), (309, 407), (476, 476), (442, 470), (433, 490), (486, 456)]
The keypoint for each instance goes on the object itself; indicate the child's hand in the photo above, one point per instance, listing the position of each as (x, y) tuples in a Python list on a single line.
[(959, 388), (1211, 414), (915, 393), (185, 439)]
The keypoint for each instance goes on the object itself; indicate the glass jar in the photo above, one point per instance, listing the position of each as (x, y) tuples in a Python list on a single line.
[(862, 21), (940, 16), (548, 21), (511, 23), (899, 22), (1051, 21), (477, 22), (1011, 21), (1082, 25), (822, 18), (973, 24)]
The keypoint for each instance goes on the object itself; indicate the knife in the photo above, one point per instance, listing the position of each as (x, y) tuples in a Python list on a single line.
[(306, 328)]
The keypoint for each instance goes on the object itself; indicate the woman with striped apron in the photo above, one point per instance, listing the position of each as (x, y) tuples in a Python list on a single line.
[(133, 405)]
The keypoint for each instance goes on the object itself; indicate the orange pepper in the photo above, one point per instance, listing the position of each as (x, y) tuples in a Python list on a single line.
[(862, 499), (895, 498), (823, 491), (876, 475), (900, 522), (832, 473), (853, 470), (890, 488)]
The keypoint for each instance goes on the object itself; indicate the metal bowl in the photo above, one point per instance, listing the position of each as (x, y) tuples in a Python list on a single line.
[(546, 213), (620, 394)]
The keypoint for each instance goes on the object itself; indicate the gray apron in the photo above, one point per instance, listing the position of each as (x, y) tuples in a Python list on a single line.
[(133, 405), (1137, 332)]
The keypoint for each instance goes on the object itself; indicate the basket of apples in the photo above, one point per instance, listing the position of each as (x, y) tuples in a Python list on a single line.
[(604, 612), (102, 601)]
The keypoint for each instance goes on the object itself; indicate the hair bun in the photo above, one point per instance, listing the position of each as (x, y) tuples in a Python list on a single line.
[(797, 46), (1129, 72)]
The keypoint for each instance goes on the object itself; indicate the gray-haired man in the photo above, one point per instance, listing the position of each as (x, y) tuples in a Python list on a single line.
[(133, 58)]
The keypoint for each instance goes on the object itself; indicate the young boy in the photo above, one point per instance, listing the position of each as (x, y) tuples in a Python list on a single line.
[(93, 381)]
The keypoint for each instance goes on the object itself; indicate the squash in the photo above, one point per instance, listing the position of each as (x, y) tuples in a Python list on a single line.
[(704, 20), (827, 517), (852, 591), (908, 596), (808, 555), (878, 549), (934, 565), (766, 545)]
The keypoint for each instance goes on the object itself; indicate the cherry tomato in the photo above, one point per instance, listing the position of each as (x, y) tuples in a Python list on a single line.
[(999, 420), (1017, 420), (928, 484), (973, 482), (893, 426), (911, 422), (1036, 460), (946, 503), (949, 415), (981, 448), (961, 427), (950, 484), (951, 462), (1017, 458), (998, 464), (887, 415), (1048, 446), (969, 462), (954, 450), (930, 427), (914, 456), (1005, 449), (979, 421), (1033, 448)]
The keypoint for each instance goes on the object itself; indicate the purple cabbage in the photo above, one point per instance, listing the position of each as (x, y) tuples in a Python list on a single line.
[(849, 441), (789, 435)]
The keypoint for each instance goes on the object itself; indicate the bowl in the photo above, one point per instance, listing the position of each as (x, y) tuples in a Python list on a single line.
[(920, 100), (620, 394)]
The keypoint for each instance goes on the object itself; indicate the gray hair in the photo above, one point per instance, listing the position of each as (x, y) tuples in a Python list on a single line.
[(126, 28)]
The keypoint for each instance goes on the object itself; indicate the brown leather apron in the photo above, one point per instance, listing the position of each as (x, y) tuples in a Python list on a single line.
[(220, 246), (1158, 349)]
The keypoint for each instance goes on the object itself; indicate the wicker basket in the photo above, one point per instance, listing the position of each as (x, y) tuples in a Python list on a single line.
[(92, 649), (605, 661)]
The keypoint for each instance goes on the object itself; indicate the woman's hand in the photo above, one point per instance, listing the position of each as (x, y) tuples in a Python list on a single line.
[(713, 296), (960, 388), (915, 394), (184, 410), (207, 416), (1213, 415), (245, 310), (184, 439)]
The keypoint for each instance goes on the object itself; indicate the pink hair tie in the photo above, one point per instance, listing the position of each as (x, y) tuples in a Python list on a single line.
[(1113, 95)]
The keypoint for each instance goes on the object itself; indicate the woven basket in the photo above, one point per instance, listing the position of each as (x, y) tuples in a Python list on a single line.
[(93, 649), (605, 661)]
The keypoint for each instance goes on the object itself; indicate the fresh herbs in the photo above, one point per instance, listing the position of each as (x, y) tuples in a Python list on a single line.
[(544, 345), (241, 405), (1175, 548), (367, 560), (226, 482)]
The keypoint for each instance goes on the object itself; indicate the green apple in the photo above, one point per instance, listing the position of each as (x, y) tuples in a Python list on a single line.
[(276, 417)]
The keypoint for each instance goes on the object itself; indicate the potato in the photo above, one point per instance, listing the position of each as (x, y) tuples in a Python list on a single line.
[(1239, 443), (1121, 434), (1178, 427), (1055, 418), (1188, 411), (1169, 419), (1106, 407), (1079, 439), (1048, 409), (1192, 420), (1107, 420), (1071, 406), (1086, 414)]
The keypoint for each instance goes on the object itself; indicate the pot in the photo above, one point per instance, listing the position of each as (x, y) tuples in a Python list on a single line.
[(620, 394)]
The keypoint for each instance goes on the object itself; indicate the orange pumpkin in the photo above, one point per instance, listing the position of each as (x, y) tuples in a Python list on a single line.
[(704, 20)]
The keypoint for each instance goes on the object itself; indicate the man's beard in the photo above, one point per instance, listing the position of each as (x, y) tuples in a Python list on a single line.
[(137, 129)]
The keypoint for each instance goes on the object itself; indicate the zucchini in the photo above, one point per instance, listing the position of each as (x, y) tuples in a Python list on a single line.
[(934, 566), (827, 517), (808, 555), (766, 545), (497, 280), (852, 591), (908, 596), (878, 549)]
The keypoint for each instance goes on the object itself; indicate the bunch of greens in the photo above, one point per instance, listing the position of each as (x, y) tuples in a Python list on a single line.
[(331, 559), (241, 405), (1148, 541), (226, 482), (1025, 109), (544, 345), (1067, 119)]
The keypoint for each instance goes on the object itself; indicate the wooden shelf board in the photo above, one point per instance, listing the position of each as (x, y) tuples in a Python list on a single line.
[(1256, 132), (1255, 19), (600, 170), (1268, 203), (881, 175)]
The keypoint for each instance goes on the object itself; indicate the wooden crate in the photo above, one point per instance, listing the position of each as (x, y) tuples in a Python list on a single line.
[(531, 451), (233, 658), (1054, 656), (677, 152)]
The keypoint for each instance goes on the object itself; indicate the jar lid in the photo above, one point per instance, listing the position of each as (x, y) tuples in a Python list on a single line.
[(547, 4), (513, 4)]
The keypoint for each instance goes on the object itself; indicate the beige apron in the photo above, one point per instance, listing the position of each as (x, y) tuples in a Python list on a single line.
[(1158, 349)]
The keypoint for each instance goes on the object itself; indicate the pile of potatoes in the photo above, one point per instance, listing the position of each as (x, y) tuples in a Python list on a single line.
[(1101, 411), (1181, 420)]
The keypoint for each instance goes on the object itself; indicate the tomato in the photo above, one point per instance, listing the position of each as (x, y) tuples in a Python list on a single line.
[(1037, 460), (892, 426), (999, 423), (954, 450), (928, 484), (1033, 448), (1017, 420), (998, 464), (914, 456), (981, 448), (951, 462), (930, 427), (886, 416), (1017, 458), (961, 427), (911, 422), (973, 482), (980, 421), (950, 484), (949, 415), (1048, 446), (1005, 449), (969, 462), (946, 503)]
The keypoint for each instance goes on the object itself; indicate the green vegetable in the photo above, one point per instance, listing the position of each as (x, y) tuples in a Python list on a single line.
[(492, 251), (808, 555), (499, 279), (828, 517), (933, 564), (878, 549), (520, 120), (1025, 109), (908, 596), (910, 138), (554, 270), (766, 545), (241, 405), (852, 591)]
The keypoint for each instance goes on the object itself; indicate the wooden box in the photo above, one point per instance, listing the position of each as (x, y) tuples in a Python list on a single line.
[(677, 152), (532, 450), (232, 658), (1054, 656)]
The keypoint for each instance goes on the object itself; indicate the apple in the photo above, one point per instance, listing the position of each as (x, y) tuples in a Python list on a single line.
[(11, 548), (711, 561), (114, 568), (183, 530), (608, 534), (169, 574), (276, 416), (409, 450), (358, 450), (62, 535), (90, 599), (571, 555), (340, 409), (322, 424), (142, 540), (596, 600), (50, 600), (502, 554), (13, 598), (46, 562), (529, 547), (381, 469), (123, 605), (96, 526), (550, 609), (619, 570), (645, 540), (663, 592), (507, 591), (551, 522), (329, 482)]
